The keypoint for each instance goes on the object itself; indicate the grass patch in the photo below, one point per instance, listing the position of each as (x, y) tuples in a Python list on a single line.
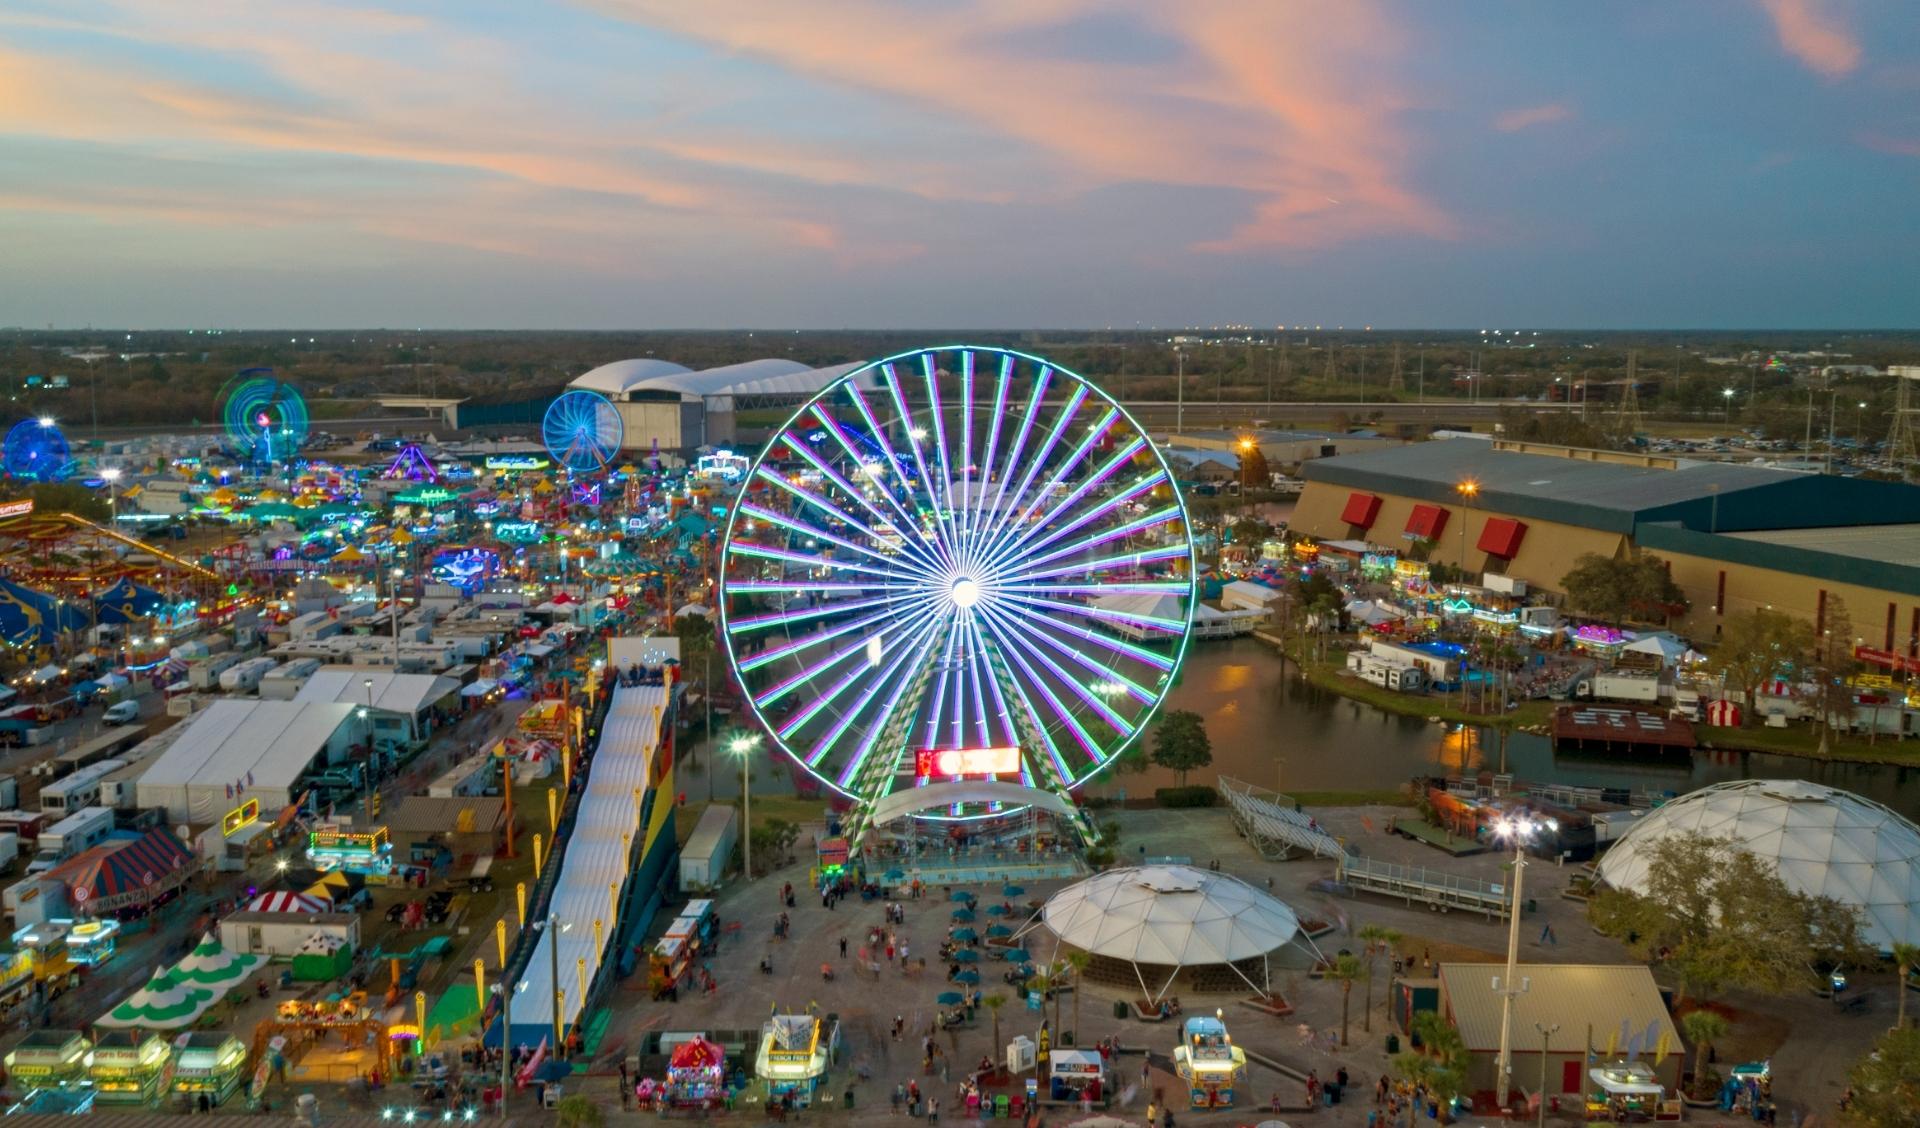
[(1394, 798), (1332, 676), (1804, 740), (788, 807)]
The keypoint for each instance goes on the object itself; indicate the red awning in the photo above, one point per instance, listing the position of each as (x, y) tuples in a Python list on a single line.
[(1361, 509), (1426, 521), (1501, 537)]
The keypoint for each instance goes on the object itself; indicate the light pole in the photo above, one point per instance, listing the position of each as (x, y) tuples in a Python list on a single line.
[(1180, 392), (111, 476), (1468, 490), (506, 1036), (1518, 829), (1726, 397), (1546, 1039), (366, 771), (553, 928), (743, 746), (393, 593), (367, 713)]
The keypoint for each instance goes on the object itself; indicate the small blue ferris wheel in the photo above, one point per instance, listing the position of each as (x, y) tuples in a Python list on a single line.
[(582, 431)]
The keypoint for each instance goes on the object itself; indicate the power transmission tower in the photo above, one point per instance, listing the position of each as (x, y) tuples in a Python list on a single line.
[(1626, 419), (1903, 444), (1398, 385)]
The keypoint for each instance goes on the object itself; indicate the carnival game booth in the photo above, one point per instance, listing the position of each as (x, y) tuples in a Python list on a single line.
[(126, 1066), (1208, 1061), (1625, 1090), (48, 1059), (210, 1063), (696, 1077), (90, 943), (795, 1052), (1076, 1075)]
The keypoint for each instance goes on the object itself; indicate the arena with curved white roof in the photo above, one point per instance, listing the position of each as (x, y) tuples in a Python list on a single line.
[(676, 408)]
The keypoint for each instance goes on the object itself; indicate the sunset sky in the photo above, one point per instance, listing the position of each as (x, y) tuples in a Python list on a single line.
[(946, 163)]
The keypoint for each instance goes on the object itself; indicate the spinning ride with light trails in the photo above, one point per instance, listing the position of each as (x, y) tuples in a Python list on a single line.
[(266, 420), (36, 451), (957, 561), (582, 431)]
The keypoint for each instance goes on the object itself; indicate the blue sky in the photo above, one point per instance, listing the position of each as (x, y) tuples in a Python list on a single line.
[(959, 163)]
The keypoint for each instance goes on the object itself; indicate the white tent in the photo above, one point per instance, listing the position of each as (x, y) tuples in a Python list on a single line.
[(242, 748), (700, 609), (1824, 842), (1662, 645), (1169, 916)]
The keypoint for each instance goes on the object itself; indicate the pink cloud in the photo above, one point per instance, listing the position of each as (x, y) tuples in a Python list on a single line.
[(1887, 143), (1253, 99), (1513, 121), (1814, 36)]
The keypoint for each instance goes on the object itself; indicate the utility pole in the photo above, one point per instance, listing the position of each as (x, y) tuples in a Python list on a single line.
[(1546, 1038), (1180, 392)]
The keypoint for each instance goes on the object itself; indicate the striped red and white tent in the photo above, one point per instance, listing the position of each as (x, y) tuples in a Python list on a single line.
[(286, 901), (1723, 714)]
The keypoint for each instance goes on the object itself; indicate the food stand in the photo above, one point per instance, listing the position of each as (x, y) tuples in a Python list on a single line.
[(125, 1066), (1076, 1075), (1208, 1061), (211, 1063), (696, 1076), (353, 851), (795, 1051), (673, 955), (1624, 1089), (91, 942), (48, 1059)]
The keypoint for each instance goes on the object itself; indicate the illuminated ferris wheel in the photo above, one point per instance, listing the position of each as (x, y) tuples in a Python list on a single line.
[(957, 562)]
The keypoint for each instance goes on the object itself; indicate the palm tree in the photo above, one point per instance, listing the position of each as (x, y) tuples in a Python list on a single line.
[(1078, 961), (1906, 957), (993, 1003), (1346, 970), (1376, 937), (1703, 1028)]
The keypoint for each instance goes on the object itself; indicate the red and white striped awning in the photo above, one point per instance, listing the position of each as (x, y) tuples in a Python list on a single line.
[(285, 901)]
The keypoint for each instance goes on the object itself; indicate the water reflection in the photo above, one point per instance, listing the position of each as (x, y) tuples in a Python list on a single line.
[(1272, 729)]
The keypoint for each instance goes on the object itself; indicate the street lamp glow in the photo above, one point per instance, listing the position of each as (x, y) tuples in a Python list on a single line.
[(46, 420), (1468, 488), (111, 474)]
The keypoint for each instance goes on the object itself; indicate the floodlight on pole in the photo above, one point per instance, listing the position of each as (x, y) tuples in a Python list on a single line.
[(742, 745), (1519, 828)]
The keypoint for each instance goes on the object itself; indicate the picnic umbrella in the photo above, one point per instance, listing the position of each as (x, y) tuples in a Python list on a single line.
[(1011, 891), (1015, 955), (965, 935), (963, 914), (967, 975), (999, 930), (966, 955), (960, 895), (950, 999), (996, 910)]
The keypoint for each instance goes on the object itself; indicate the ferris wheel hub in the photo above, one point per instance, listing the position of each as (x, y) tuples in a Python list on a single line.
[(964, 592)]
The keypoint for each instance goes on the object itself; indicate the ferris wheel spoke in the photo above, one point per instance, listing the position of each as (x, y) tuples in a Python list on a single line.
[(798, 587), (807, 641), (1087, 611), (944, 686), (794, 525), (912, 524), (833, 427), (863, 646), (987, 473), (949, 516), (1003, 520), (1089, 567), (1010, 540), (1117, 645), (1005, 680), (1000, 709), (903, 647), (1031, 565), (1039, 685), (819, 611), (1016, 448), (1092, 700), (857, 494), (965, 513), (788, 556), (979, 675), (914, 432), (1125, 496), (880, 723), (1061, 637), (801, 718)]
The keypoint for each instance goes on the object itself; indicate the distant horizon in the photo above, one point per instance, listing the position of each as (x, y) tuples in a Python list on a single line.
[(567, 166), (1376, 330)]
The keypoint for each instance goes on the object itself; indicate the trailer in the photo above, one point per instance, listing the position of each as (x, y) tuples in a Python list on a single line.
[(244, 677), (1619, 687), (704, 859)]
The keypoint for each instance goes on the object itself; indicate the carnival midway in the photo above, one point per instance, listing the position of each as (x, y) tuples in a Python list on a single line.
[(579, 779)]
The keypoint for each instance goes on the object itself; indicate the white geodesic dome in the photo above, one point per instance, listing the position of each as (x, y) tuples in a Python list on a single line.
[(1823, 841), (1169, 915)]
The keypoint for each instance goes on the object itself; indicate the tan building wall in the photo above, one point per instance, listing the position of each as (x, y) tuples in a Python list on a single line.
[(1719, 590), (1547, 552)]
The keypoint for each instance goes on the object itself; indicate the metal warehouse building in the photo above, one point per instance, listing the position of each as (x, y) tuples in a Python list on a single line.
[(679, 409), (1735, 537)]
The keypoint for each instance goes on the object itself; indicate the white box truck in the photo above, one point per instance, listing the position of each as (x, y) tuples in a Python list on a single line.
[(1619, 687), (703, 861), (67, 838)]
